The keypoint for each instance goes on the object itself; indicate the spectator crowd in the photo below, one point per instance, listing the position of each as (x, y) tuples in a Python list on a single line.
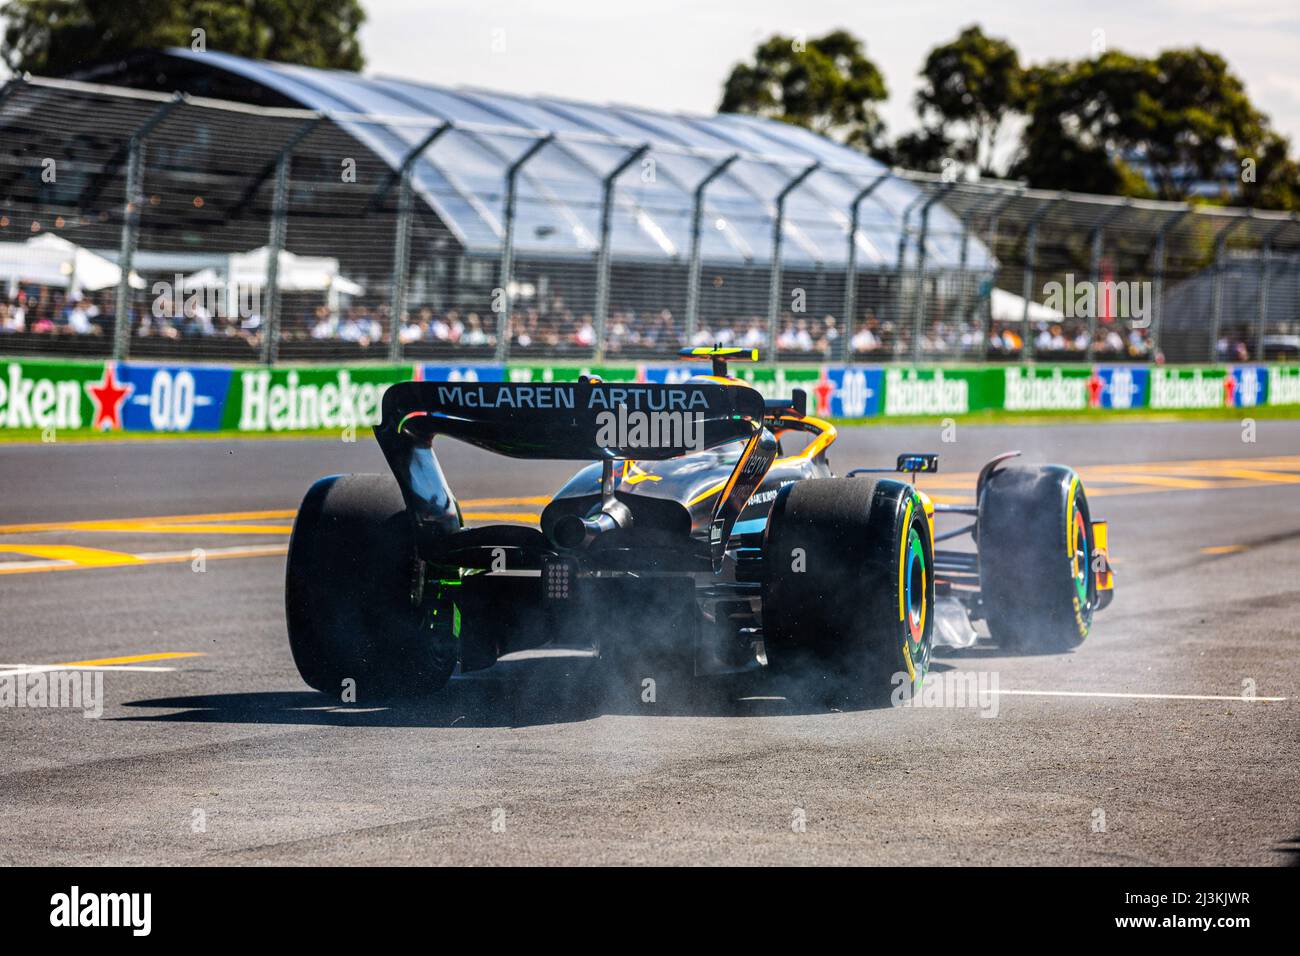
[(556, 329)]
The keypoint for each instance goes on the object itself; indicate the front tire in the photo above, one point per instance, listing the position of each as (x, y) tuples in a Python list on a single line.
[(348, 595), (1035, 542), (848, 594)]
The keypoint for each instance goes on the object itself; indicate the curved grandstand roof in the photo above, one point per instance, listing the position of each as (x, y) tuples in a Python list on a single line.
[(461, 176)]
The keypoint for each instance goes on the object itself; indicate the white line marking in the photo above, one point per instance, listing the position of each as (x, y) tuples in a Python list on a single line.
[(1086, 693), (20, 669)]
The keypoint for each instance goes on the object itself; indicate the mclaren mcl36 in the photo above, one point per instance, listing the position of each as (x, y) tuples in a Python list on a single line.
[(706, 534)]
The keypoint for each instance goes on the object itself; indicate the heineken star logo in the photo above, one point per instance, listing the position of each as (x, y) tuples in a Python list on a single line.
[(108, 396)]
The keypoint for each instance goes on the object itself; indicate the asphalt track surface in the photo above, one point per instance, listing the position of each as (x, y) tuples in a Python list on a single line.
[(1143, 746)]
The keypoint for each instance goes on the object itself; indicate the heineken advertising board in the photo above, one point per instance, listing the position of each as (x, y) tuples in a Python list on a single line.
[(51, 396)]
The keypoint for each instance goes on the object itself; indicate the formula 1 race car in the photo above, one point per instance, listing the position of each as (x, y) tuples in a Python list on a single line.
[(694, 542)]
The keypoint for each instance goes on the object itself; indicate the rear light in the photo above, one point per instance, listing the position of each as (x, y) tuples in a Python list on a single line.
[(559, 574)]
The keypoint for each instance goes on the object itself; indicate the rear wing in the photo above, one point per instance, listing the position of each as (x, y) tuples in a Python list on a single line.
[(587, 420)]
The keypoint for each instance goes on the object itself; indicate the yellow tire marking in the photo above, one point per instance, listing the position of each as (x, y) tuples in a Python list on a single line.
[(902, 558)]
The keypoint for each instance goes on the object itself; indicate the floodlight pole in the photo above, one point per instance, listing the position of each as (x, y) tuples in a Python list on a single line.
[(851, 267), (778, 227), (603, 255), (918, 303), (1216, 300), (697, 219), (1158, 276), (275, 244), (133, 199), (1265, 277), (504, 301), (1094, 268), (402, 240)]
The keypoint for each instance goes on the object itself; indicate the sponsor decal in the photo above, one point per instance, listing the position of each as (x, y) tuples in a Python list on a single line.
[(1042, 389), (308, 398), (174, 398), (1118, 387), (1187, 388), (107, 396), (460, 373), (1283, 385), (856, 392), (563, 395), (47, 395), (914, 392), (1245, 386), (568, 373)]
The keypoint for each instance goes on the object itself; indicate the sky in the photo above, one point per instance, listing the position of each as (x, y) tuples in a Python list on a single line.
[(676, 54)]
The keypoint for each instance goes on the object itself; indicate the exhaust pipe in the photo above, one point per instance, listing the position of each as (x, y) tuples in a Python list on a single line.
[(575, 531)]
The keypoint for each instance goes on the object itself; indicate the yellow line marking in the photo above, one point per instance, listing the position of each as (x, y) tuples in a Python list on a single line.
[(156, 519), (507, 502), (171, 527), (1252, 474), (136, 560), (1224, 549), (501, 516), (1163, 481), (82, 557), (133, 659)]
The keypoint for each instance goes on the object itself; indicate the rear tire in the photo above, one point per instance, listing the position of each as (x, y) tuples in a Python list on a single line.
[(859, 616), (348, 585), (1035, 544)]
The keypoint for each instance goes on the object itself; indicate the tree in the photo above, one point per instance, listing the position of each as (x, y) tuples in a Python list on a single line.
[(56, 36), (970, 88), (1136, 126), (827, 85)]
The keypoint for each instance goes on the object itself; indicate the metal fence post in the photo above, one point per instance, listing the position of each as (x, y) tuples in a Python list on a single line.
[(402, 240), (131, 226), (697, 219), (918, 302), (275, 244), (904, 225), (1216, 301), (1027, 286), (774, 274), (851, 268), (1158, 276), (1094, 267), (603, 255), (508, 245), (1265, 278), (994, 215)]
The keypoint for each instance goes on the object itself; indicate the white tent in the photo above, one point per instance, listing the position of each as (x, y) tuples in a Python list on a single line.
[(297, 273), (51, 260), (1009, 307)]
